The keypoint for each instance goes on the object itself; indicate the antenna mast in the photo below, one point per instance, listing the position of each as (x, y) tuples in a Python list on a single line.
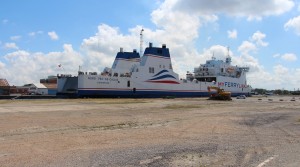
[(228, 51), (213, 56), (228, 58), (141, 42)]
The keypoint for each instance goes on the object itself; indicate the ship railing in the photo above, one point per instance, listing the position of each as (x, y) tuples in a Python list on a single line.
[(246, 69), (204, 74), (92, 73), (125, 75), (105, 74), (64, 75)]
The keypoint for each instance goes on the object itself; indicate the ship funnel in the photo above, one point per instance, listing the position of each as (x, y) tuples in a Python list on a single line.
[(121, 49), (164, 46), (150, 45), (134, 50)]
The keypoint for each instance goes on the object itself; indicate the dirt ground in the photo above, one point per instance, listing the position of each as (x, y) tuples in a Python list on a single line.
[(257, 131)]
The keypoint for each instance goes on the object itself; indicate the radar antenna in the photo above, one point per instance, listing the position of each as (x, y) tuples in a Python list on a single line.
[(141, 42), (228, 58), (228, 51), (213, 56)]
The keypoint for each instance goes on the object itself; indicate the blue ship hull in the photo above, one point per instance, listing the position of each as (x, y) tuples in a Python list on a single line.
[(143, 94)]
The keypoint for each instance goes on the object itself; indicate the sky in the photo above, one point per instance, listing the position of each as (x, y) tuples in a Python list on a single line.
[(37, 36)]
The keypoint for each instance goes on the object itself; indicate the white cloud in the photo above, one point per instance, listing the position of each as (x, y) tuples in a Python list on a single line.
[(289, 57), (179, 26), (2, 65), (32, 34), (247, 47), (30, 67), (258, 77), (232, 34), (280, 70), (15, 38), (280, 77), (258, 38), (276, 55), (11, 45), (254, 9), (68, 48), (100, 49), (255, 41), (285, 78), (53, 35), (293, 24), (5, 21)]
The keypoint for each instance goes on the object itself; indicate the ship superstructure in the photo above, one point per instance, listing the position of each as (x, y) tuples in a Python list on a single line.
[(152, 75)]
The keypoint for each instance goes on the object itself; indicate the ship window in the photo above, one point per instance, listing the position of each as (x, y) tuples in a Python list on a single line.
[(159, 51), (151, 69), (128, 83)]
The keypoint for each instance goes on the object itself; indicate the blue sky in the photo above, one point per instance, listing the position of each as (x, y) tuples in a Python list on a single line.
[(71, 20), (35, 36)]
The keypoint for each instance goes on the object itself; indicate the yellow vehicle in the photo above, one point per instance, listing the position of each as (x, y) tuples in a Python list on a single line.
[(219, 94)]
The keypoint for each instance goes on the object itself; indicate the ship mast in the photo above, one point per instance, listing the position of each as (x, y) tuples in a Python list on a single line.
[(213, 56), (141, 42), (228, 58)]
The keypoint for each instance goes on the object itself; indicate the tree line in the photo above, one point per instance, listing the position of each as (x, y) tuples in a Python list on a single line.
[(275, 92)]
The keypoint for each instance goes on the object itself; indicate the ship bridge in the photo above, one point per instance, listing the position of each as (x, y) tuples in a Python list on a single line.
[(213, 68)]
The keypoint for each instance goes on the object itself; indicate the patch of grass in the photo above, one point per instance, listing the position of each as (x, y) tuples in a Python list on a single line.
[(5, 101)]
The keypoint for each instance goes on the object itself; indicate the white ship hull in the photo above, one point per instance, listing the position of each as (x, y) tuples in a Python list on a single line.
[(105, 86), (152, 75)]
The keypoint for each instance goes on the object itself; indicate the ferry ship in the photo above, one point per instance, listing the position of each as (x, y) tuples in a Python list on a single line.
[(152, 75)]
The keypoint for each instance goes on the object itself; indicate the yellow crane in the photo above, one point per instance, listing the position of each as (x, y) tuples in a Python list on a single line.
[(219, 94)]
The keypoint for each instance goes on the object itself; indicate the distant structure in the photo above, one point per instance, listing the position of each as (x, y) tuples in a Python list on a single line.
[(37, 89), (4, 87), (51, 84), (19, 90), (47, 86)]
